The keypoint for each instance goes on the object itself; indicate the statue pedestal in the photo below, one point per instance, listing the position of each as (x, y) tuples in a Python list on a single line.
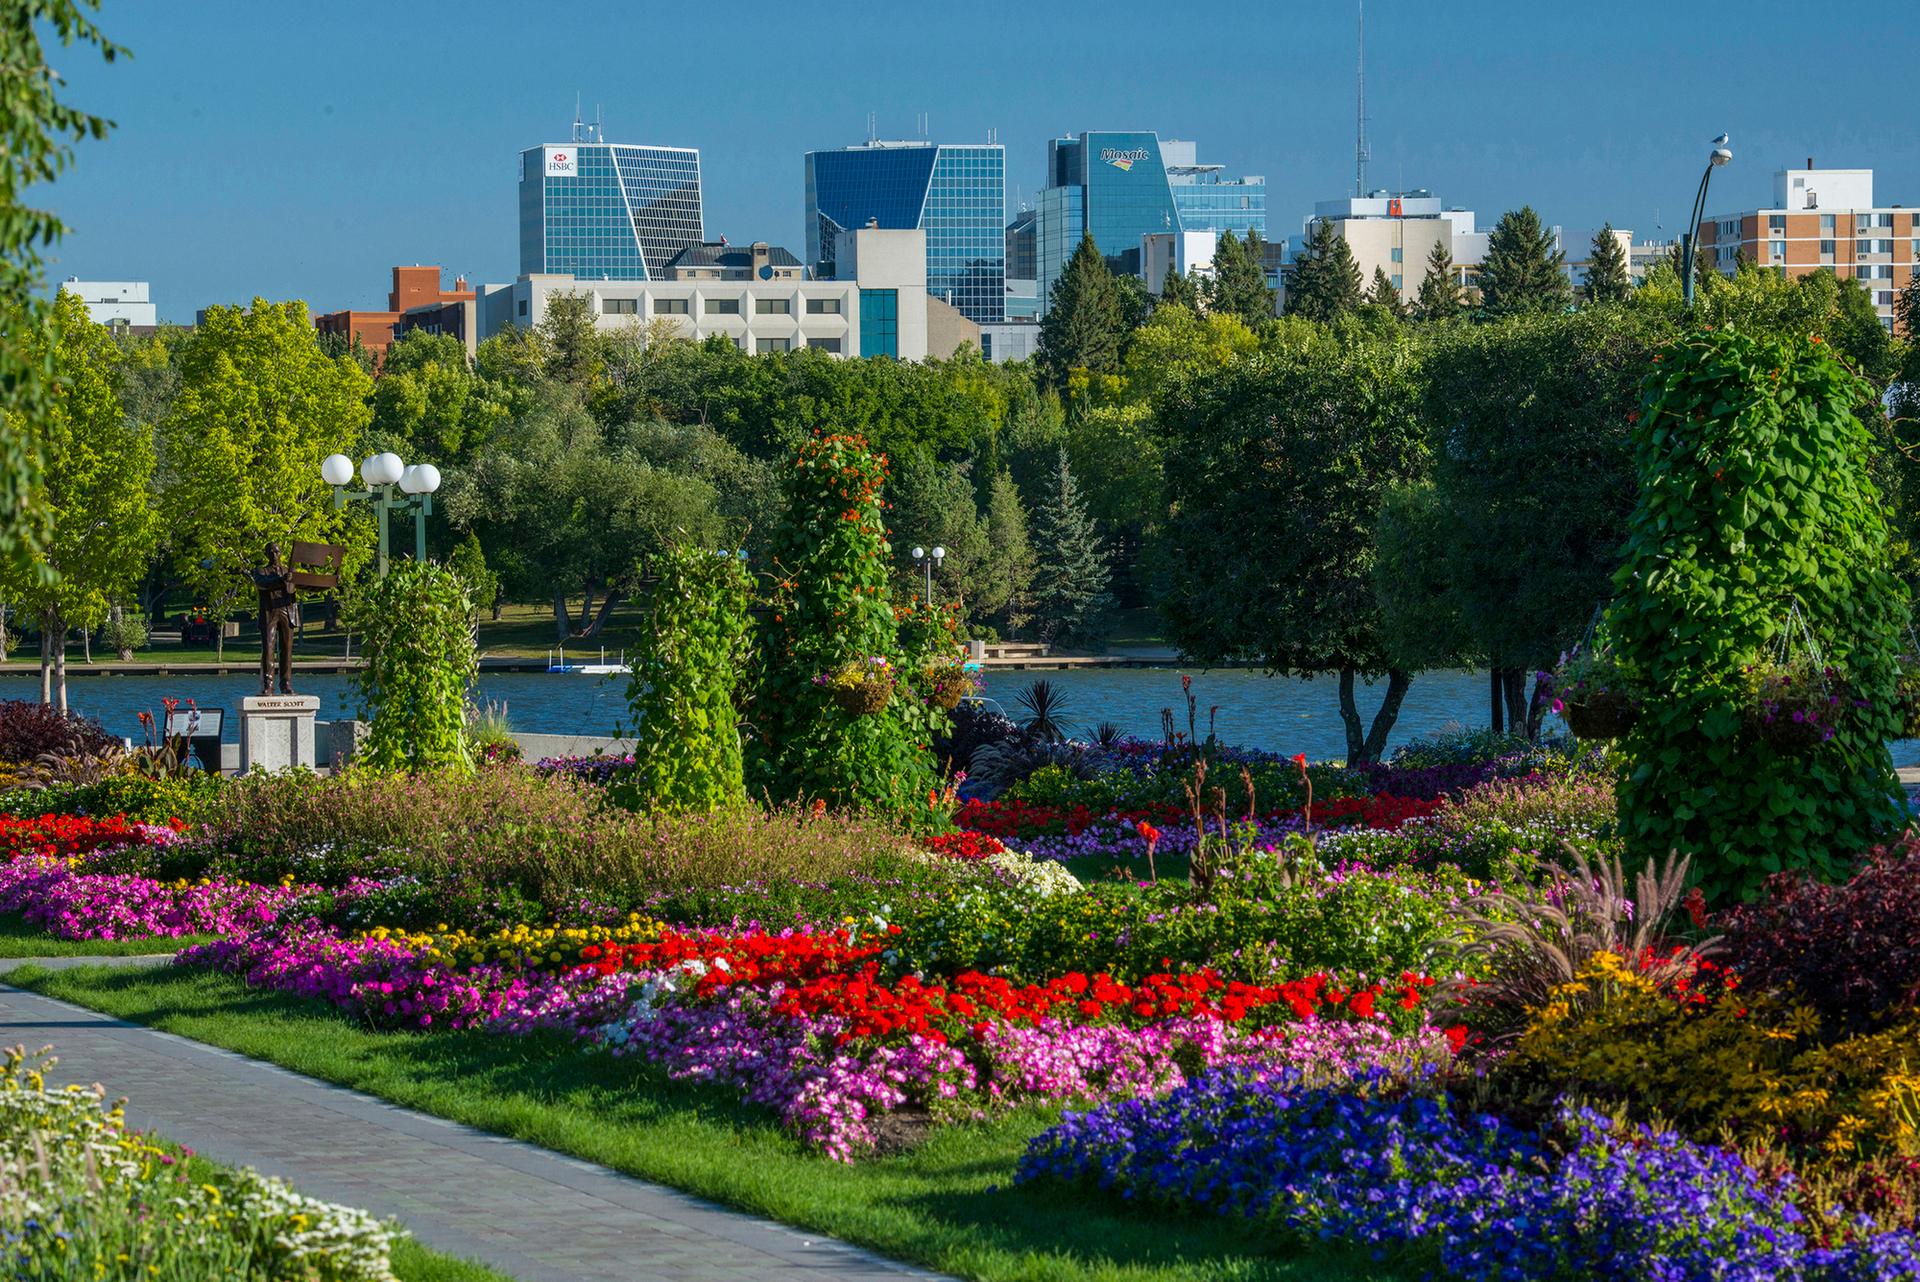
[(276, 731)]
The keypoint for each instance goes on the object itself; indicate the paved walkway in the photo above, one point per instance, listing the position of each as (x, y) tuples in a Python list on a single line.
[(526, 1211)]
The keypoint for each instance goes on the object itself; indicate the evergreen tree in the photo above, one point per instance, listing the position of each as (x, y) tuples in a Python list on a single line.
[(1607, 278), (1703, 272), (1009, 576), (1523, 271), (1083, 325), (1070, 598), (1383, 294), (1239, 286), (1441, 297), (1179, 291), (1324, 281)]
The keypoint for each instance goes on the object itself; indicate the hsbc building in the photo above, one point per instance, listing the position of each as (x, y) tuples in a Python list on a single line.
[(607, 211)]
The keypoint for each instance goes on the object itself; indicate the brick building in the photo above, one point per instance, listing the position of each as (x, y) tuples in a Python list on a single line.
[(415, 302), (1823, 219)]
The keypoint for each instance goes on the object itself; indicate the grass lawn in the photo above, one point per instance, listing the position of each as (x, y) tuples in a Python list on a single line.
[(1141, 625), (947, 1204), (20, 939)]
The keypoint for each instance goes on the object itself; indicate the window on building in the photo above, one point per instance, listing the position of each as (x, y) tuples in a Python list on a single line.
[(773, 306), (764, 345), (669, 307), (1884, 297), (619, 306), (826, 344), (1826, 249), (523, 307), (1777, 224), (1396, 280), (1862, 247), (723, 307), (880, 322), (824, 307), (1779, 251), (1826, 224), (1396, 255), (1863, 222)]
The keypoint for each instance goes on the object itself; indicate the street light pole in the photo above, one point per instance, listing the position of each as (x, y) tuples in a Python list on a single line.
[(927, 563), (380, 473), (1690, 239)]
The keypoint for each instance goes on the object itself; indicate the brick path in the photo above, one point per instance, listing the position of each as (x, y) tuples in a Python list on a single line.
[(527, 1211)]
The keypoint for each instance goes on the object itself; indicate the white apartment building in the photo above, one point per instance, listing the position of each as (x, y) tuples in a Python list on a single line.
[(761, 298), (114, 302)]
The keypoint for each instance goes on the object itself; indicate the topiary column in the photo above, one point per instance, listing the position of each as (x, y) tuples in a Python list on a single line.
[(1754, 500), (691, 651), (830, 627), (416, 628)]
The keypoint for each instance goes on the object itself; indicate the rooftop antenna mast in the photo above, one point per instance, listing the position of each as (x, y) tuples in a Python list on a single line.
[(1361, 155), (579, 126)]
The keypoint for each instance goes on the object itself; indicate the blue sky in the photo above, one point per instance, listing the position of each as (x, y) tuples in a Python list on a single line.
[(299, 150)]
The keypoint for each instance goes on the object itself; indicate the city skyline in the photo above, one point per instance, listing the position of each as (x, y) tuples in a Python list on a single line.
[(301, 155)]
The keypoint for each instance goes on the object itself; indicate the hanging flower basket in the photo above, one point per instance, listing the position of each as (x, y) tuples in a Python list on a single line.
[(861, 688), (948, 684), (1591, 692), (1600, 714), (1794, 707)]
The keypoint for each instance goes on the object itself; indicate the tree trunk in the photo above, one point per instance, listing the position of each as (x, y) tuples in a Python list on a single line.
[(1498, 721), (46, 662), (496, 607), (58, 640), (1397, 683), (1350, 717), (86, 645), (1536, 708), (586, 609), (118, 616), (562, 625), (1515, 681), (607, 607)]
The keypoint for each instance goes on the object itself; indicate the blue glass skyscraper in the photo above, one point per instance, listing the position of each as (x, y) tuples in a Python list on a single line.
[(607, 211), (1121, 186), (956, 193)]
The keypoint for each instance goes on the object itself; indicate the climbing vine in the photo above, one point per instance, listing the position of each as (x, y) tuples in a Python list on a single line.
[(1757, 532), (416, 626), (687, 752)]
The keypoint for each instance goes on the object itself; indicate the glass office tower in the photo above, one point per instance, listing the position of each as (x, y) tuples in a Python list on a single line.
[(1121, 186), (607, 211), (956, 193)]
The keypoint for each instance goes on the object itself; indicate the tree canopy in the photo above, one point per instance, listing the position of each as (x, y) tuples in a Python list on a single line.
[(1523, 270)]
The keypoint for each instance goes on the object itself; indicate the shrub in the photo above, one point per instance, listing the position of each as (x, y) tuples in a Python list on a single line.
[(694, 644), (1714, 1063), (27, 730), (417, 630), (142, 798), (1852, 951), (1755, 511)]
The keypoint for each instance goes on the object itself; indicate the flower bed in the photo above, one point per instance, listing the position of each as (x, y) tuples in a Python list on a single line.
[(65, 836), (808, 1025), (69, 904), (1383, 1166)]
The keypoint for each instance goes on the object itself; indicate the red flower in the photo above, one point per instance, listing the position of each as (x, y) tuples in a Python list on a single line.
[(1457, 1037)]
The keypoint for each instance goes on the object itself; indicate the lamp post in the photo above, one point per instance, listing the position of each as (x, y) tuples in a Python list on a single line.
[(381, 473), (927, 563), (1690, 240)]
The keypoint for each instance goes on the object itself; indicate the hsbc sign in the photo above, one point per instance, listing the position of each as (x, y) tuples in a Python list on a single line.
[(561, 163)]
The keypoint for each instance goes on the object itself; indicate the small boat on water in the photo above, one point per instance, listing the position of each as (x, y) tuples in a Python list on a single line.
[(600, 669)]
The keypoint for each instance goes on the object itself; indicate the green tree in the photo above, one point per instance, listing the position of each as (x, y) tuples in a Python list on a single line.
[(469, 561), (1239, 286), (1704, 274), (1441, 297), (1070, 600), (259, 406), (686, 752), (1324, 281), (1754, 503), (1083, 325), (92, 491), (37, 130), (1383, 294), (1008, 574), (1285, 460), (1608, 280), (416, 629), (829, 606), (1523, 271), (933, 504), (1179, 291)]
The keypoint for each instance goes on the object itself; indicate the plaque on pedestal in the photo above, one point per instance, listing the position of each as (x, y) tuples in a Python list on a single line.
[(276, 731)]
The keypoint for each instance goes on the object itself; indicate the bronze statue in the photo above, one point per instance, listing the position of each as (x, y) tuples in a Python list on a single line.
[(279, 613)]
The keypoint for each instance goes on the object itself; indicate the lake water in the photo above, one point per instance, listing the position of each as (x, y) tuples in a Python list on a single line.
[(1254, 710)]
